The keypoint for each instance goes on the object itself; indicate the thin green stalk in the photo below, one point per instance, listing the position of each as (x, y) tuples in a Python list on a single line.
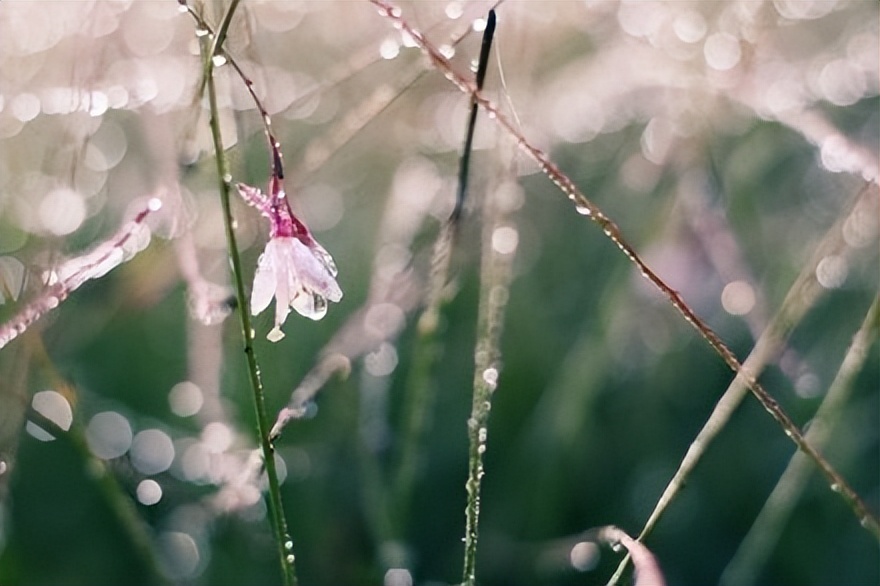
[(420, 391), (428, 347), (495, 278), (220, 37), (764, 533), (276, 512)]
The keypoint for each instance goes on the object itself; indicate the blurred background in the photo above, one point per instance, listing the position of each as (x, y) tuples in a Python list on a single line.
[(729, 141)]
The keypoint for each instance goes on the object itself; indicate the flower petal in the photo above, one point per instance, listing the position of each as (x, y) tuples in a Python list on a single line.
[(285, 284), (264, 281), (313, 273), (275, 334)]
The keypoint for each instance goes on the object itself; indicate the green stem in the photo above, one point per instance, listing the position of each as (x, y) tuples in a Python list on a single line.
[(276, 512), (220, 37)]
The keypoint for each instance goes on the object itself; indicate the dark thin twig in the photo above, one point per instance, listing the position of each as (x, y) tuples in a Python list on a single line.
[(464, 163)]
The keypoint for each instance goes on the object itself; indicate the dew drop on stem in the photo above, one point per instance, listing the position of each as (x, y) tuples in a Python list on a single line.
[(583, 210)]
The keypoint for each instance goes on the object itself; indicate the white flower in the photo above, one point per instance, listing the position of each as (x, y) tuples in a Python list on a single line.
[(297, 276), (294, 268)]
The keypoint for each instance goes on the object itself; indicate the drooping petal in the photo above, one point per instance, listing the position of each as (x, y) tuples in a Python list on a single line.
[(314, 274), (323, 256), (275, 334), (284, 273), (264, 281)]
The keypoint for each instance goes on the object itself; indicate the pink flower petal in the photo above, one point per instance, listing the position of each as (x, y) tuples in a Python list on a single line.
[(314, 274), (264, 282)]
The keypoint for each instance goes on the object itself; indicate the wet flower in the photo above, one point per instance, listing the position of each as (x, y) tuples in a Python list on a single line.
[(294, 268)]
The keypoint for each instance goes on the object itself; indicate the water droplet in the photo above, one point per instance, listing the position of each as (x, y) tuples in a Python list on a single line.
[(200, 32), (227, 179), (582, 209), (481, 449), (490, 377), (454, 10), (218, 60), (3, 467), (482, 435), (290, 558), (149, 492), (835, 487), (288, 545), (389, 49), (182, 8)]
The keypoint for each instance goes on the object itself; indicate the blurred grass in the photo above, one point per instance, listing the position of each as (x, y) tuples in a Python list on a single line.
[(602, 387)]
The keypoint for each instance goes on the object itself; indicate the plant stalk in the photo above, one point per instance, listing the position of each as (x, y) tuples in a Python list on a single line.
[(276, 512), (586, 207)]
